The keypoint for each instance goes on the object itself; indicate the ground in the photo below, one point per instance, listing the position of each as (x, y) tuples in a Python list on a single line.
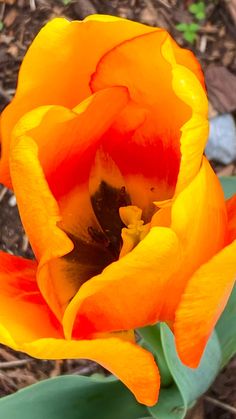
[(214, 46)]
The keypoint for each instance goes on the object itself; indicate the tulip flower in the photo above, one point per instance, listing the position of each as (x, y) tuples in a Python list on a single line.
[(103, 146)]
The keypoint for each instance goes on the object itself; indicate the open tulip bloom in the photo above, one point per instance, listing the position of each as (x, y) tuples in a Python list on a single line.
[(103, 146)]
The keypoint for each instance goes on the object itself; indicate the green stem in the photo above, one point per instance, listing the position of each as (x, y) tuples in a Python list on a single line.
[(152, 338)]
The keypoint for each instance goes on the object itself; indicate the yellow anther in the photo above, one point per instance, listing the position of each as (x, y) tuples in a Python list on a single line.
[(135, 231)]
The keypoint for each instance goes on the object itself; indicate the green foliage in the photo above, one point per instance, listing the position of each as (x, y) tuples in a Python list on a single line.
[(1, 25), (188, 384), (225, 330), (170, 404), (189, 30), (73, 397), (66, 2), (228, 184), (198, 10)]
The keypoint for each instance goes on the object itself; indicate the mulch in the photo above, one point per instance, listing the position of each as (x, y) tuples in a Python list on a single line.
[(215, 47)]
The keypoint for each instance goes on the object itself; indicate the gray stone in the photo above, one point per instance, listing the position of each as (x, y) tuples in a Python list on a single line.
[(221, 144)]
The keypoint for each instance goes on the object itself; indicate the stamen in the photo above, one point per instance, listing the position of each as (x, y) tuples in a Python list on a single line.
[(136, 229)]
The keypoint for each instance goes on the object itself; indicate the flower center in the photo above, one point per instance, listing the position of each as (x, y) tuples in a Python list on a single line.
[(106, 203), (119, 230), (114, 228), (104, 242)]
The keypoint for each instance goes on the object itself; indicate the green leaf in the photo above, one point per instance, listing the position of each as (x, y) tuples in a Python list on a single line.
[(225, 329), (193, 8), (198, 9), (152, 341), (192, 383), (182, 27), (188, 384), (194, 27), (190, 37), (1, 25), (228, 183), (73, 397), (200, 15), (201, 6), (170, 404)]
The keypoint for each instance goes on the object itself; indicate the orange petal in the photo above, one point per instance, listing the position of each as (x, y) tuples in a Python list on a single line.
[(190, 89), (111, 300), (153, 147), (39, 213), (38, 208), (133, 365), (187, 59), (35, 139), (199, 220), (24, 315), (199, 217), (142, 165), (74, 135), (57, 68), (202, 303), (37, 333)]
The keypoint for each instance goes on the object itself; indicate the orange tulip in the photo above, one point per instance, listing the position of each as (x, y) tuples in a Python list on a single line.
[(127, 220)]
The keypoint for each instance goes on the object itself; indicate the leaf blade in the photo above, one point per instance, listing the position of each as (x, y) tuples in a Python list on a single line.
[(225, 329), (228, 184), (72, 397)]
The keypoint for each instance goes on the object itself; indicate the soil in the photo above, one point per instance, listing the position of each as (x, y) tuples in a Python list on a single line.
[(215, 47)]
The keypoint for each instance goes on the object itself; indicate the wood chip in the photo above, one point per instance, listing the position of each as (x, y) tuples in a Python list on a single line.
[(13, 50), (203, 43), (32, 5), (11, 2), (231, 5), (57, 368), (212, 112), (25, 243), (3, 191), (221, 87), (84, 8), (12, 201), (228, 58), (14, 364), (10, 17), (227, 171), (224, 406), (148, 15), (7, 355)]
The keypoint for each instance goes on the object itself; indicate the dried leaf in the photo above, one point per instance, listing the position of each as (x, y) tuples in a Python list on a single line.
[(221, 87), (231, 5), (10, 18), (8, 1), (84, 8), (212, 112), (13, 50)]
